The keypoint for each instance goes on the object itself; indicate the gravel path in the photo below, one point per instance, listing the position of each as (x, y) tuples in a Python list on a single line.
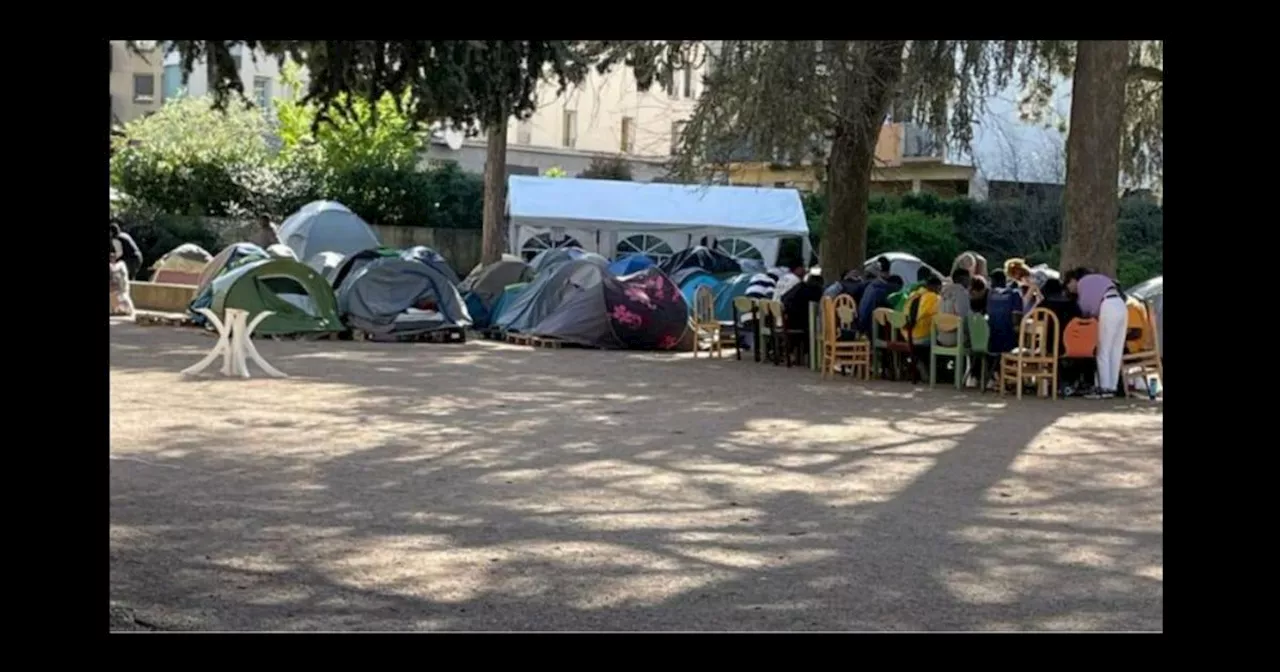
[(490, 487)]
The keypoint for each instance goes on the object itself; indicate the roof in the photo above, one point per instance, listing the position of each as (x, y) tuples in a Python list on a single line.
[(676, 208)]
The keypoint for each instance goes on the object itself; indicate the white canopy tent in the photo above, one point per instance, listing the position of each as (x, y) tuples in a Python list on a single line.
[(651, 217)]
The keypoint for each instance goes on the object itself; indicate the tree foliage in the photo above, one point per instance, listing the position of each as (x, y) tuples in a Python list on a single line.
[(608, 168)]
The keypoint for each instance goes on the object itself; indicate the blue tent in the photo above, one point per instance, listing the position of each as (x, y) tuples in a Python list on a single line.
[(434, 259), (632, 263), (691, 284), (728, 291), (326, 226)]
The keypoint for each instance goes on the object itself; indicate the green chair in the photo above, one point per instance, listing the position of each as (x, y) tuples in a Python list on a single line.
[(886, 321), (946, 323), (980, 345)]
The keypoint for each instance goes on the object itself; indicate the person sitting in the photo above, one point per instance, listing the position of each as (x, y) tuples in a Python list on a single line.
[(955, 301), (876, 295), (921, 307), (786, 279), (851, 283), (129, 252), (978, 296), (899, 299), (761, 288), (795, 306)]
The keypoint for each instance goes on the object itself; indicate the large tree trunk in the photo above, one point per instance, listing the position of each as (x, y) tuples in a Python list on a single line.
[(495, 193), (1093, 155), (863, 100)]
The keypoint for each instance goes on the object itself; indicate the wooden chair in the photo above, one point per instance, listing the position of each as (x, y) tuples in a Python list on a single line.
[(1036, 357), (840, 315), (705, 323), (745, 305), (946, 323), (773, 328), (887, 327), (979, 345), (1148, 360)]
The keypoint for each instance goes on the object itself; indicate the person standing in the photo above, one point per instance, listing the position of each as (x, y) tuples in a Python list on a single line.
[(1099, 298), (128, 252), (266, 234)]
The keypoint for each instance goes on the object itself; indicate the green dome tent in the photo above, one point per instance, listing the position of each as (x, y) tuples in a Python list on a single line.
[(301, 300)]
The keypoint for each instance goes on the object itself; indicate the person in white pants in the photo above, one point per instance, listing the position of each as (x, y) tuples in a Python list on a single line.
[(1099, 298)]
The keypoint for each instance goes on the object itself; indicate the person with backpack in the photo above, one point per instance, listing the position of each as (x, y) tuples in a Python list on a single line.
[(128, 251), (1099, 297), (921, 307)]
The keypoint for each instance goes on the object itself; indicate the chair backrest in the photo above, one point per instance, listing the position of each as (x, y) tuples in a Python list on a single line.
[(704, 306), (828, 312), (838, 315), (897, 326), (945, 323), (1144, 318), (771, 309), (880, 327), (1080, 338), (1039, 334), (979, 333), (744, 304), (1152, 341)]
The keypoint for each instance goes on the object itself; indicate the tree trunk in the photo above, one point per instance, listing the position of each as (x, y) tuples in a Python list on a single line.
[(844, 243), (1093, 156), (863, 100), (495, 194)]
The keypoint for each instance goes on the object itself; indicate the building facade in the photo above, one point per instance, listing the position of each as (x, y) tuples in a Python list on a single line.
[(134, 81), (606, 116), (259, 73)]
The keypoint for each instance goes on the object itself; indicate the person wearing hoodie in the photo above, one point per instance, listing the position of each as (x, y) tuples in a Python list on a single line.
[(899, 299), (852, 284), (955, 301), (876, 295)]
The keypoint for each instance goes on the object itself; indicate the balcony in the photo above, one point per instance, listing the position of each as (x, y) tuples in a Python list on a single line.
[(920, 145)]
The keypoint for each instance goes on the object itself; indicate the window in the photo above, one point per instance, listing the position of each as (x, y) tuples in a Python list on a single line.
[(740, 249), (653, 247), (628, 135), (172, 86), (688, 82), (144, 88), (524, 132), (570, 130), (542, 242), (677, 128), (262, 92)]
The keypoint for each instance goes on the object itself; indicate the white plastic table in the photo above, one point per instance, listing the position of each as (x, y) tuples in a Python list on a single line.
[(234, 345)]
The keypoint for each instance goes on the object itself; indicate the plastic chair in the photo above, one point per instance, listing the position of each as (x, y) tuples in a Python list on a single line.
[(979, 345), (1080, 338), (945, 323), (1148, 360)]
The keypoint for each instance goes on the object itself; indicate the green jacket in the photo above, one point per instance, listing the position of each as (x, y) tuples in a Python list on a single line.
[(898, 300)]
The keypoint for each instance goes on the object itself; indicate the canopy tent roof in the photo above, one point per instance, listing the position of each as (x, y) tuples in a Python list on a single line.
[(612, 205)]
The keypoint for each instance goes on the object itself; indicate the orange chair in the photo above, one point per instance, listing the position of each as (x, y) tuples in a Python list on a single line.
[(1080, 338)]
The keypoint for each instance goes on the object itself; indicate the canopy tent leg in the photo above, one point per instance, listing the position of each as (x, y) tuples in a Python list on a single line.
[(806, 247)]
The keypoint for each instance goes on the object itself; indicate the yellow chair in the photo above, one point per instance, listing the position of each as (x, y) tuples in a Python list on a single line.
[(1148, 360), (1036, 357), (839, 315), (705, 323)]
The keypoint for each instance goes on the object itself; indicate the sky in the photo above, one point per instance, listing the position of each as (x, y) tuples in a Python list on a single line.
[(1006, 148)]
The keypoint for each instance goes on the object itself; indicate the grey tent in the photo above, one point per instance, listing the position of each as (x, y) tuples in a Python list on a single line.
[(548, 259), (548, 291), (326, 226), (485, 285), (383, 297), (1152, 291), (640, 311), (430, 257), (327, 264)]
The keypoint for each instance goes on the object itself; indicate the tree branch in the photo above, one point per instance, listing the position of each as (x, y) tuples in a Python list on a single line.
[(1146, 73)]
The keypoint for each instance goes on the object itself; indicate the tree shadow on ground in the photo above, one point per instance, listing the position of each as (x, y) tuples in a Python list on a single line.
[(487, 487)]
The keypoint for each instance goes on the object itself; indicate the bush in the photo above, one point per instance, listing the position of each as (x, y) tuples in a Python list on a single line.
[(611, 168), (931, 237)]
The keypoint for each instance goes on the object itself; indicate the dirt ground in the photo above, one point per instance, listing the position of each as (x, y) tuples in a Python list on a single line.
[(490, 487)]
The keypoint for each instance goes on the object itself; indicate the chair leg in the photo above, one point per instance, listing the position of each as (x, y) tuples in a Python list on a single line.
[(933, 368), (1020, 380), (962, 369)]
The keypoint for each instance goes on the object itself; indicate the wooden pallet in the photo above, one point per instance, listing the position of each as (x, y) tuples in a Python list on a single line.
[(492, 334), (519, 339), (151, 318), (449, 335), (541, 342)]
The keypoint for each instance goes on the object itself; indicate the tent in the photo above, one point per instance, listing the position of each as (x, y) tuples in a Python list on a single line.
[(326, 264), (904, 265), (554, 257), (300, 300), (182, 265), (282, 251), (484, 286), (689, 287), (632, 263), (509, 294), (599, 213), (1152, 291), (728, 291), (525, 310), (231, 256), (388, 295), (434, 259), (710, 260), (641, 311), (354, 262), (326, 226)]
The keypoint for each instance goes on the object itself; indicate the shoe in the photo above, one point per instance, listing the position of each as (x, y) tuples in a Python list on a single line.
[(1101, 394)]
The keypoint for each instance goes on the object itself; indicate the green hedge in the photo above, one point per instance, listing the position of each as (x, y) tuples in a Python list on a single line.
[(936, 230)]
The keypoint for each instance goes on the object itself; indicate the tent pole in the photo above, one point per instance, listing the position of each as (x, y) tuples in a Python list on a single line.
[(806, 247)]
